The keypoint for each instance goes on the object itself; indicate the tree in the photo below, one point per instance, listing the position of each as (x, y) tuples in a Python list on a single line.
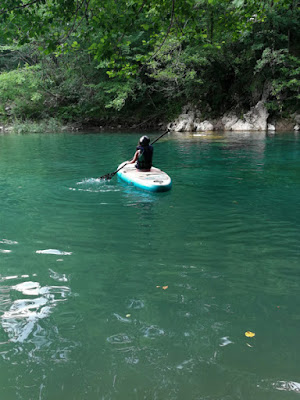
[(103, 55)]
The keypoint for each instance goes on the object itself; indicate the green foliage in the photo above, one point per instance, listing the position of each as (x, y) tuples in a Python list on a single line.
[(51, 125), (285, 93), (97, 59), (21, 93)]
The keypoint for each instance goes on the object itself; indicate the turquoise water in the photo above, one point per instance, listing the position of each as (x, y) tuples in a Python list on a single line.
[(84, 314)]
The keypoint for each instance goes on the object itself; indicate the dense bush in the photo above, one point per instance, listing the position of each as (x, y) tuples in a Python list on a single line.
[(143, 61), (21, 93)]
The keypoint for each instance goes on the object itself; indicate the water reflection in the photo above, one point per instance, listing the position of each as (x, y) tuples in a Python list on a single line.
[(7, 242), (55, 252), (284, 386), (22, 317), (288, 386), (34, 340)]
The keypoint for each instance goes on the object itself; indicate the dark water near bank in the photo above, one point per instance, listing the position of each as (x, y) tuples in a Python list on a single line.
[(84, 314)]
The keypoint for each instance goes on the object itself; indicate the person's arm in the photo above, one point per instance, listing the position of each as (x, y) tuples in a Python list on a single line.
[(135, 157)]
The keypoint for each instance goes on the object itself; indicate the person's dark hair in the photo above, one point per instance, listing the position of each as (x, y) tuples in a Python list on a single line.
[(144, 141)]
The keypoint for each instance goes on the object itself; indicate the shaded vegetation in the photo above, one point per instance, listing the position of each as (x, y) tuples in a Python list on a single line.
[(93, 61)]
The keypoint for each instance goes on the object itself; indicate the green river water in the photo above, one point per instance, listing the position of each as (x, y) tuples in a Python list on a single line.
[(84, 315)]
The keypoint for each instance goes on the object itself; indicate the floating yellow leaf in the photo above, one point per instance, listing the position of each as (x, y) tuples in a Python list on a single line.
[(128, 315), (165, 287), (249, 334)]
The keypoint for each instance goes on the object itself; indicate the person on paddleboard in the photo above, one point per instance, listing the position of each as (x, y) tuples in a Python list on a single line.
[(143, 155)]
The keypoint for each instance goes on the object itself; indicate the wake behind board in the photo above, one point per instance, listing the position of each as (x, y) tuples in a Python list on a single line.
[(155, 180)]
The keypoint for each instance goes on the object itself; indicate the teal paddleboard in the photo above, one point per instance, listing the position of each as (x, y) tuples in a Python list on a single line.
[(154, 180)]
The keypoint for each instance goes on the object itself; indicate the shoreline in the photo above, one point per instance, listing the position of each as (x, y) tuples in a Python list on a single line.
[(189, 121)]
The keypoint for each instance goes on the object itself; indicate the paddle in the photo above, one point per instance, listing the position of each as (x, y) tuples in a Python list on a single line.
[(107, 177)]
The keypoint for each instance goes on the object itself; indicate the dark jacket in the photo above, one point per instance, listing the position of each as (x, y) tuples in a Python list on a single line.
[(144, 160)]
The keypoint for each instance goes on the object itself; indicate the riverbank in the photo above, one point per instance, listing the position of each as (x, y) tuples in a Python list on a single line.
[(256, 119), (53, 125), (191, 119)]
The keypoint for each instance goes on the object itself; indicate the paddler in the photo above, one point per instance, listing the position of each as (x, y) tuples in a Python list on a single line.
[(143, 155)]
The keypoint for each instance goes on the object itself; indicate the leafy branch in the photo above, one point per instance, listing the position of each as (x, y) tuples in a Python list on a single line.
[(19, 7)]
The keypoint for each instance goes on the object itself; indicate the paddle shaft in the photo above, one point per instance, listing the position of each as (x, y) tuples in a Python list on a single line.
[(119, 168), (160, 136)]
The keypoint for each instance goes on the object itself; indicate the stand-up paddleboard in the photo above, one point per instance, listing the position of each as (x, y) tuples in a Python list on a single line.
[(155, 180)]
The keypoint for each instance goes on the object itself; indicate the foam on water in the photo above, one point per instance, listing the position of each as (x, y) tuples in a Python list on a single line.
[(89, 181), (95, 185)]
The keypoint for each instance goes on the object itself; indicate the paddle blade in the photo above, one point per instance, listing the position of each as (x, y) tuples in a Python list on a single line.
[(107, 177)]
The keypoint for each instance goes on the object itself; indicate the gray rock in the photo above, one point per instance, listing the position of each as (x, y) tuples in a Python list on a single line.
[(204, 126), (254, 120), (271, 127), (228, 121)]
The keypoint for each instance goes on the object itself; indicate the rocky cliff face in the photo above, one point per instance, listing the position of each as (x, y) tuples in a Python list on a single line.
[(256, 119)]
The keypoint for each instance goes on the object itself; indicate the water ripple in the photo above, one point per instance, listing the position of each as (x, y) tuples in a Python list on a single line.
[(136, 304), (54, 251), (120, 338), (57, 276), (225, 341), (21, 319), (287, 386), (152, 332), (7, 241), (281, 385), (122, 319)]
